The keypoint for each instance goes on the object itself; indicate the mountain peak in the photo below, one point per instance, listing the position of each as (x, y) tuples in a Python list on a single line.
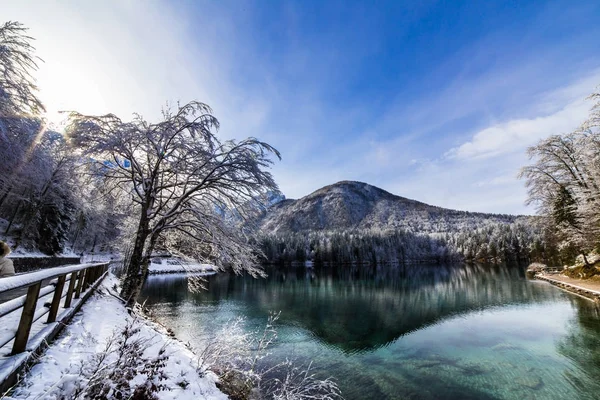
[(353, 186), (357, 205)]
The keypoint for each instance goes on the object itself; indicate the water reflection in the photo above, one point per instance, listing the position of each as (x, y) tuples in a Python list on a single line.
[(418, 332), (361, 309)]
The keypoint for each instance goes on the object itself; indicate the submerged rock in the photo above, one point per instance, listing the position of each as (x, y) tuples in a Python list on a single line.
[(428, 364), (475, 369), (505, 346), (531, 382), (237, 386)]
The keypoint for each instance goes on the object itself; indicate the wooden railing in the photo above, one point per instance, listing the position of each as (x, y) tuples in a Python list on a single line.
[(77, 278)]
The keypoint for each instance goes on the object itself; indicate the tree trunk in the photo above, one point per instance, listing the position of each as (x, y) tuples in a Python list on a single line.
[(75, 239), (12, 218), (133, 271), (4, 196), (138, 284), (585, 260), (93, 248), (80, 224)]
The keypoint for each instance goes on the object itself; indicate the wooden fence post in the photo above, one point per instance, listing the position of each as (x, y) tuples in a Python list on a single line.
[(79, 283), (56, 298), (71, 289), (26, 319), (87, 280)]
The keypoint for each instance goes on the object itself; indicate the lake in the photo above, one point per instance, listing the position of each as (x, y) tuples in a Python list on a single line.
[(405, 332)]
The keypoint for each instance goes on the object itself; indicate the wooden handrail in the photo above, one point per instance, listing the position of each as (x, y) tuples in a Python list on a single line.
[(25, 280), (81, 277)]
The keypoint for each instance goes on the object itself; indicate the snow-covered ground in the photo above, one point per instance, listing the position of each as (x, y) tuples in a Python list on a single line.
[(76, 358), (103, 257), (11, 311)]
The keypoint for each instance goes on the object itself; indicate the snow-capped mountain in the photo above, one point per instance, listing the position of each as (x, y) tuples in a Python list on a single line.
[(357, 222), (356, 205)]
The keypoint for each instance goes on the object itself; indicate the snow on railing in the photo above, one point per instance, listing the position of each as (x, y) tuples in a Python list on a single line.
[(79, 278), (25, 280)]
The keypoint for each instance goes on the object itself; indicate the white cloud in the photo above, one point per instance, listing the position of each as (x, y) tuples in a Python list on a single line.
[(516, 134), (481, 173), (497, 180), (569, 110), (465, 186)]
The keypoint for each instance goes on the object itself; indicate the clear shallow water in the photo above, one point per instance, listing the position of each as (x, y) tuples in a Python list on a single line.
[(413, 332)]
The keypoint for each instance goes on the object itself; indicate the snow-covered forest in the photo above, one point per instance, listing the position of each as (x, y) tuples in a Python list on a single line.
[(44, 204), (511, 242), (357, 222)]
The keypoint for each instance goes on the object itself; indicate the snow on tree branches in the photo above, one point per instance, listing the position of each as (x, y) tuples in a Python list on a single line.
[(181, 178), (564, 182), (17, 86)]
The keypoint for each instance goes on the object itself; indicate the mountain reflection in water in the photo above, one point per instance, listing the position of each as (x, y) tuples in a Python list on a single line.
[(419, 332), (363, 308)]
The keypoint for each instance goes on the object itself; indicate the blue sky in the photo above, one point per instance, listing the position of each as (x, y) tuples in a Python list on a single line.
[(431, 100)]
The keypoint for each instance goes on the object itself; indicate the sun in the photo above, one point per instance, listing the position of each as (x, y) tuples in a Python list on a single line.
[(65, 87), (55, 120)]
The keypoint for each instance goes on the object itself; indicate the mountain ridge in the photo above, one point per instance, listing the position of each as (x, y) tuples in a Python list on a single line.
[(354, 222), (358, 205)]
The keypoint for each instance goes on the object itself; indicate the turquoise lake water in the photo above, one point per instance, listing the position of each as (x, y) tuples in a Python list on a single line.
[(406, 332)]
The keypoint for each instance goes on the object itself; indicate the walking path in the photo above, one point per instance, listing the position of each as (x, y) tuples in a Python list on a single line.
[(86, 354), (586, 288)]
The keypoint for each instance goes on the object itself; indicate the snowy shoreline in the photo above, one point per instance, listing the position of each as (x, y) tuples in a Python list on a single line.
[(67, 365), (172, 265), (179, 270)]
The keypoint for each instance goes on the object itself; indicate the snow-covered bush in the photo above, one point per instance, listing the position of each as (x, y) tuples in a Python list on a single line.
[(120, 371), (299, 383), (241, 360)]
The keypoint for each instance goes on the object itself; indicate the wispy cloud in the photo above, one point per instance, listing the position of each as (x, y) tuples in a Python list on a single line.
[(513, 135), (516, 134)]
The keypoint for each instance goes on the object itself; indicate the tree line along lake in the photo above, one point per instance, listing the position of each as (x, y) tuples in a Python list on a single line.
[(412, 331)]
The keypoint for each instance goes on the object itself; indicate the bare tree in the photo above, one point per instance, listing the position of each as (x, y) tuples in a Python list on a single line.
[(182, 179), (39, 193), (564, 181), (18, 97), (19, 108)]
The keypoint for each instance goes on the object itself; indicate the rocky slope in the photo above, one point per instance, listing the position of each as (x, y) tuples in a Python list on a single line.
[(349, 205)]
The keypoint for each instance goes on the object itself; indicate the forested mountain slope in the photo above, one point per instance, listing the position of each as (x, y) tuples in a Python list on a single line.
[(354, 221), (357, 205)]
